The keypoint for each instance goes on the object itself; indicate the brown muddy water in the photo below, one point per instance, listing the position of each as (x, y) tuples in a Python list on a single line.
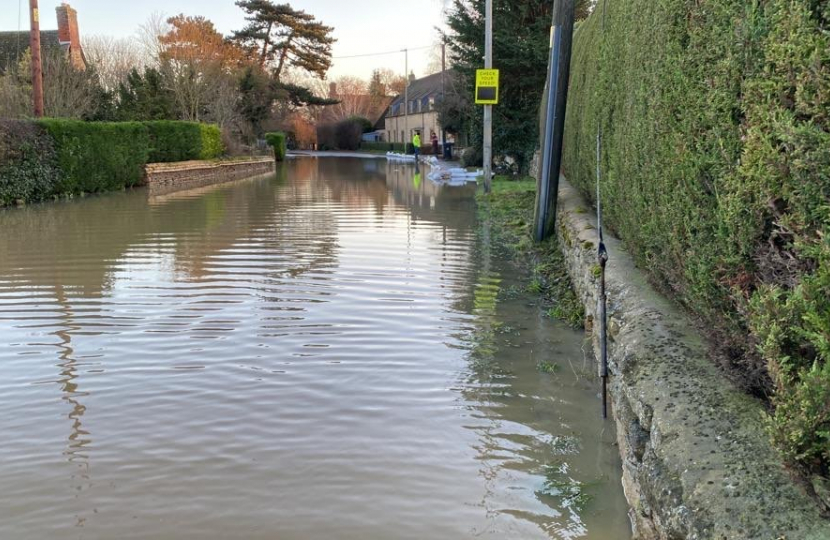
[(331, 353)]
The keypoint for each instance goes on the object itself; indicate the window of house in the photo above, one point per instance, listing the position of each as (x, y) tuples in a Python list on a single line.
[(432, 103)]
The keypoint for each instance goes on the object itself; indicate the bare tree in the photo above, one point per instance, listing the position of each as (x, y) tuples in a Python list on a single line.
[(113, 58), (67, 92), (149, 37)]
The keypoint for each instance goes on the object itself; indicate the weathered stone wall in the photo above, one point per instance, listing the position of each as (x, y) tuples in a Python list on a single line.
[(165, 178), (697, 463)]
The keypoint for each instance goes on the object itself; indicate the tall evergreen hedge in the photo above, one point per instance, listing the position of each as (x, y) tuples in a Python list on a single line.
[(716, 173), (172, 141), (98, 156), (58, 157)]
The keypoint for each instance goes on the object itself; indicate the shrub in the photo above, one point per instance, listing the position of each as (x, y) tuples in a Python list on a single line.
[(716, 173), (172, 141), (211, 141), (277, 141), (98, 156), (28, 163), (382, 146)]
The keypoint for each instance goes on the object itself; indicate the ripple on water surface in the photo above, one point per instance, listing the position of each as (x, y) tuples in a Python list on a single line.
[(329, 353)]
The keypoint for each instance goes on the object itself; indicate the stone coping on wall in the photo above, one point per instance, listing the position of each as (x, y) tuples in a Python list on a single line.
[(165, 178), (697, 462)]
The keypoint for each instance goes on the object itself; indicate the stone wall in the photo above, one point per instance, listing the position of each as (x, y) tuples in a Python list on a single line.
[(697, 463), (163, 178)]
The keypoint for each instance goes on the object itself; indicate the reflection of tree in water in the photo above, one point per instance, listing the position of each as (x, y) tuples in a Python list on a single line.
[(79, 438)]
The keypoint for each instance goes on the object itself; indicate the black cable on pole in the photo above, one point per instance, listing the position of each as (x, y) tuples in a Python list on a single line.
[(602, 260)]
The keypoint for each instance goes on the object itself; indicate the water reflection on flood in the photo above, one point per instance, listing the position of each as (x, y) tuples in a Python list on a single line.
[(333, 352)]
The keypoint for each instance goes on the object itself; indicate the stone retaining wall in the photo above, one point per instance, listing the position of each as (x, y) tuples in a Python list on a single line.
[(697, 463), (163, 178)]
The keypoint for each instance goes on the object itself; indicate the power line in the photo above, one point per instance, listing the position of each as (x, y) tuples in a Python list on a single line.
[(381, 53)]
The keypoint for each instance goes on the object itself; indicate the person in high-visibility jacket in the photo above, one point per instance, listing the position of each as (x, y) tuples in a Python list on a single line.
[(416, 143)]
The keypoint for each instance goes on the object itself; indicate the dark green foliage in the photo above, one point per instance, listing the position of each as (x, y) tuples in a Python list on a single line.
[(382, 146), (98, 156), (283, 37), (28, 163), (343, 135), (211, 141), (716, 166), (365, 124), (172, 141), (277, 141), (145, 97), (520, 52), (508, 210)]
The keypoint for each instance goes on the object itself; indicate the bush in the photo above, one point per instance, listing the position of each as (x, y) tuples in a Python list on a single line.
[(277, 141), (382, 146), (343, 135), (211, 139), (98, 156), (716, 173), (28, 163), (172, 141)]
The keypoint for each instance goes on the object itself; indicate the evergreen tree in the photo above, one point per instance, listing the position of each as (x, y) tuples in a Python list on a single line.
[(284, 37), (145, 97), (521, 34)]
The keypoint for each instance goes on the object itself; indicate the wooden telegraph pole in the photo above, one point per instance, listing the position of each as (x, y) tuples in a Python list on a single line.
[(37, 63)]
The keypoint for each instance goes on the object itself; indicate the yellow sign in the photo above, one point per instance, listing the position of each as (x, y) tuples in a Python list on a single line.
[(487, 87), (36, 15)]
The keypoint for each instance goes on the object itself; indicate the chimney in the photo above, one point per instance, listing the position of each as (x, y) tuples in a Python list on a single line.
[(333, 90), (69, 36)]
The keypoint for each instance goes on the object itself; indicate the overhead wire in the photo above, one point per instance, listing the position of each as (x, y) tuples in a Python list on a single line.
[(381, 53)]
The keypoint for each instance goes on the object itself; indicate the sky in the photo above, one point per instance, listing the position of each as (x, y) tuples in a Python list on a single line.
[(360, 26)]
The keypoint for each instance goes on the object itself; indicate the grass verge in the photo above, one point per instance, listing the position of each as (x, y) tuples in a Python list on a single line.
[(509, 210)]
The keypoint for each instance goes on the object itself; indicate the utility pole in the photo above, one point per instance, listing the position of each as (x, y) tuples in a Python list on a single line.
[(37, 65), (443, 91), (406, 101), (559, 68), (488, 109)]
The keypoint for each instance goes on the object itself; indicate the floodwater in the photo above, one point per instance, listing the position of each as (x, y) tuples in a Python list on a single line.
[(335, 352)]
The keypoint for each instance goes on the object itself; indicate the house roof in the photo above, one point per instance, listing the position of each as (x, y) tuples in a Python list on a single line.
[(13, 45), (423, 87)]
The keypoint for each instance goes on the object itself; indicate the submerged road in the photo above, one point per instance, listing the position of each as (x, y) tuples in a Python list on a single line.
[(334, 352)]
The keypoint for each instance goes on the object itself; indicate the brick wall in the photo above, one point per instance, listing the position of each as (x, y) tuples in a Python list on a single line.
[(163, 178)]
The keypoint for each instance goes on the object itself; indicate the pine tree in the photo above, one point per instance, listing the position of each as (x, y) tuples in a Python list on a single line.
[(282, 37)]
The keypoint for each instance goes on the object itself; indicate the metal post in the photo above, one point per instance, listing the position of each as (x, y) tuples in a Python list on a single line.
[(37, 63), (557, 99), (488, 109)]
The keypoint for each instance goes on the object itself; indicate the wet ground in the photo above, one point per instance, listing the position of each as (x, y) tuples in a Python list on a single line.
[(333, 352)]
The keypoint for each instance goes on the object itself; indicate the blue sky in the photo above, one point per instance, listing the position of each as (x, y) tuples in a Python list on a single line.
[(361, 26)]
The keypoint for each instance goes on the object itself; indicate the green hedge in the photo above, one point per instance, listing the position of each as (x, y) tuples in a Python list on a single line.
[(28, 163), (98, 156), (172, 141), (56, 157), (212, 146), (383, 146), (277, 141), (716, 168)]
